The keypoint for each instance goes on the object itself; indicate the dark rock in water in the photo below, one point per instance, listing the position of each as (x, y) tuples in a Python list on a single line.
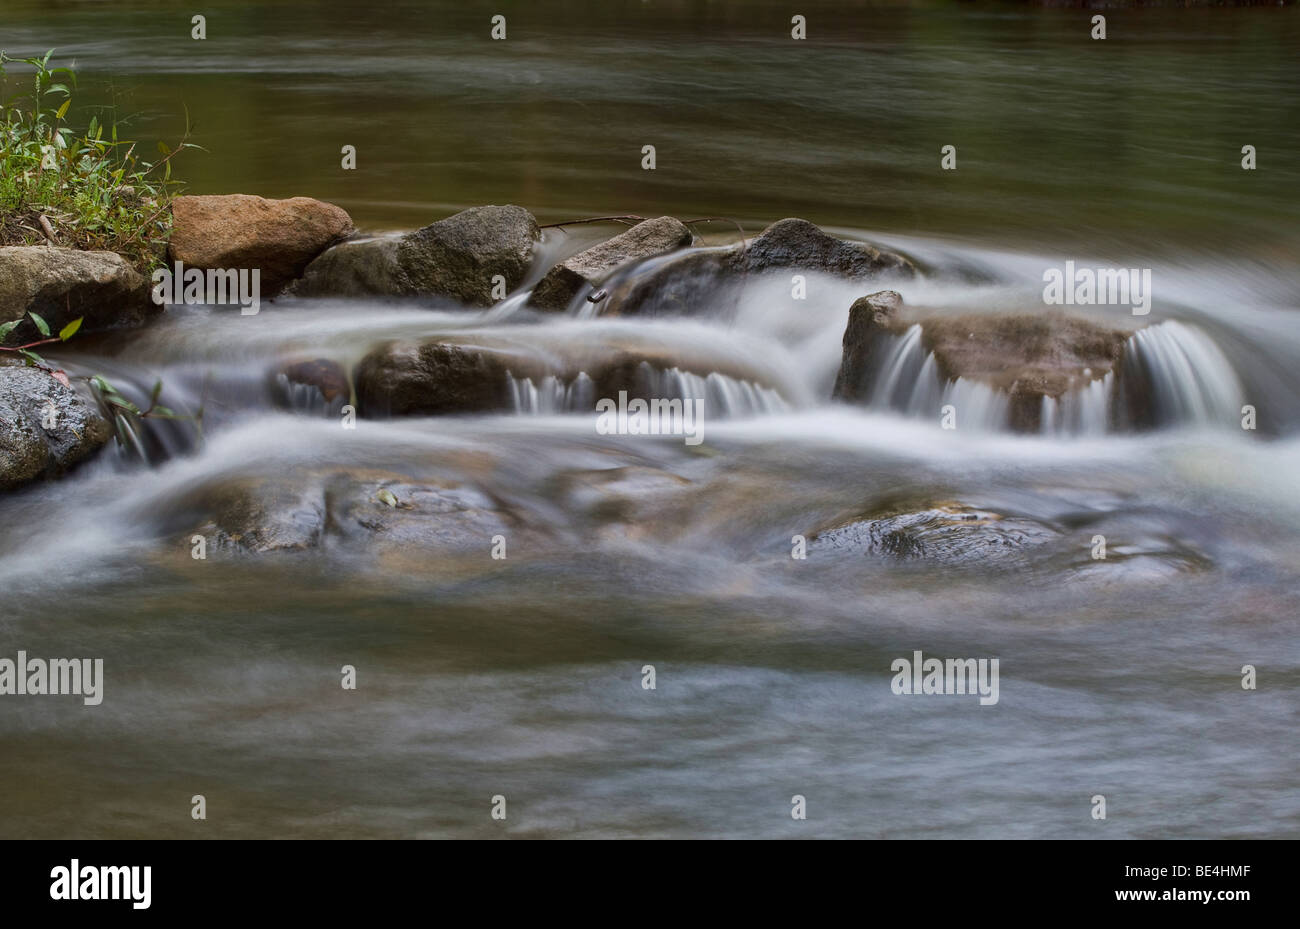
[(454, 259), (698, 282), (441, 376), (311, 385), (404, 378), (588, 268), (947, 533), (796, 244), (45, 428), (870, 317), (277, 237), (62, 284), (1028, 357)]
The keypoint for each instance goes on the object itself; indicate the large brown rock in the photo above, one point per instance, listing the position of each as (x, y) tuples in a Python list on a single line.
[(45, 428), (1026, 356), (588, 268), (62, 284), (706, 281), (454, 258), (277, 237)]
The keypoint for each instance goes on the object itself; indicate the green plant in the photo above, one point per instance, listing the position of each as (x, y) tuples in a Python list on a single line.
[(124, 414), (75, 187)]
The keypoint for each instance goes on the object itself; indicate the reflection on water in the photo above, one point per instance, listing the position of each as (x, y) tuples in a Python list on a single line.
[(523, 676)]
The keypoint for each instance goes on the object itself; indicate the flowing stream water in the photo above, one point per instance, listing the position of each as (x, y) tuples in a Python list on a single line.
[(523, 676)]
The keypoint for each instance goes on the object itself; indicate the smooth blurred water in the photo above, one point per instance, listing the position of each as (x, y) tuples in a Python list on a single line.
[(523, 677)]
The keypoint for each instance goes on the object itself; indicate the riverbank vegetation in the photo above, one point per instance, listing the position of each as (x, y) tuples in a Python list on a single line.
[(77, 185)]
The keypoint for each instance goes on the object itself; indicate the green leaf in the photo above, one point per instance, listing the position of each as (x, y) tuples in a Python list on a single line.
[(156, 392), (119, 401), (162, 148), (59, 113), (32, 357), (41, 324), (70, 329), (386, 496), (6, 328)]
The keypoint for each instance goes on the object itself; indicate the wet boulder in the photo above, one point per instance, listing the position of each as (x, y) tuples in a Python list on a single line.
[(442, 376), (314, 385), (238, 231), (1028, 357), (63, 284), (408, 378), (588, 268), (707, 281), (453, 259), (45, 427), (796, 244)]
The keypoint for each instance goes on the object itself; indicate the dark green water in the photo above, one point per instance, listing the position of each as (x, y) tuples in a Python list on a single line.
[(1060, 139)]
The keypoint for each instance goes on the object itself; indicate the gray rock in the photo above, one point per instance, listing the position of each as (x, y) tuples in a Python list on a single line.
[(62, 284), (45, 428), (454, 259), (588, 268), (708, 280), (799, 244)]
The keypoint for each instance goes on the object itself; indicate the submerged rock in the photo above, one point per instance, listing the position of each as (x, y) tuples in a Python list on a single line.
[(1027, 357), (354, 510), (948, 533), (277, 237), (257, 514), (697, 282), (45, 428), (454, 258), (62, 284), (588, 268)]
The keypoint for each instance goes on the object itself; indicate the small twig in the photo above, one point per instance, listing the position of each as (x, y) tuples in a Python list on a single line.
[(627, 219), (720, 219)]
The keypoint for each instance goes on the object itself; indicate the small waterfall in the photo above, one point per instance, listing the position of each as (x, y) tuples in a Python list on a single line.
[(1174, 374), (1171, 374), (724, 397), (552, 395), (1083, 412), (908, 381)]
